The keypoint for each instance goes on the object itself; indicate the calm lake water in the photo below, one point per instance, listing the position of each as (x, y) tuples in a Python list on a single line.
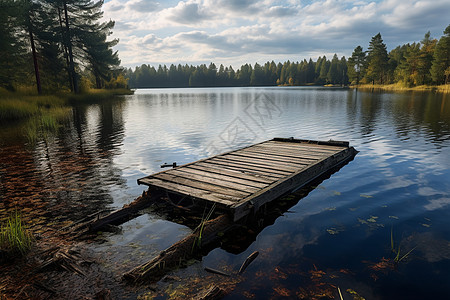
[(392, 199)]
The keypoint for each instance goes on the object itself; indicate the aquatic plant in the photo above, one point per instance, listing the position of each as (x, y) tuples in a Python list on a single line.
[(15, 239), (396, 250), (200, 227)]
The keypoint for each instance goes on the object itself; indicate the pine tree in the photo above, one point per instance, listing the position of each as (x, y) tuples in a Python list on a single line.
[(377, 61), (334, 75), (12, 47), (440, 70), (428, 46), (357, 65)]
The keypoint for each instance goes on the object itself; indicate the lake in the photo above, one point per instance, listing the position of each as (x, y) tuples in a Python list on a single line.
[(378, 228)]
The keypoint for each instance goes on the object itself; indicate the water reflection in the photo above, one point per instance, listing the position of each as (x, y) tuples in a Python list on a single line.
[(398, 180), (67, 175)]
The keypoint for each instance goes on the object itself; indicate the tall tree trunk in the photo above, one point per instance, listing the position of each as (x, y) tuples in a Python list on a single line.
[(69, 47), (35, 62), (66, 55)]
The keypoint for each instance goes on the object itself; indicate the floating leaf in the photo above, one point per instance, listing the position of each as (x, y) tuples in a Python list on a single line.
[(331, 208), (362, 221), (356, 296), (393, 217), (372, 219), (282, 291), (336, 193), (426, 225), (353, 208), (332, 231), (366, 196)]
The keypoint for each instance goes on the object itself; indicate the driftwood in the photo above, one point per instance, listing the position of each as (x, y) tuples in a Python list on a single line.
[(214, 271), (248, 261), (66, 259), (212, 293), (127, 212), (174, 256)]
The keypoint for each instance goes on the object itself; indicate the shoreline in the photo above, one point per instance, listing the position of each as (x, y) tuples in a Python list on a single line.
[(445, 88)]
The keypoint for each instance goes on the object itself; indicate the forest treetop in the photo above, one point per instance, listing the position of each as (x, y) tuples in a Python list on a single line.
[(57, 45)]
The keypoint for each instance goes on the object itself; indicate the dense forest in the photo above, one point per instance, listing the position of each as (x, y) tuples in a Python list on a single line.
[(57, 45), (423, 63)]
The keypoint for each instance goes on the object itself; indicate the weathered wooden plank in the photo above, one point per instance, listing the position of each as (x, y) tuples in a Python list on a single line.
[(274, 170), (299, 157), (243, 169), (212, 174), (304, 146), (219, 182), (309, 150), (284, 166), (189, 191), (201, 185), (343, 144), (297, 153), (271, 157), (257, 176)]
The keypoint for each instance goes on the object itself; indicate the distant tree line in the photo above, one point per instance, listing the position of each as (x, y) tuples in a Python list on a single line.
[(427, 62), (323, 71), (56, 45)]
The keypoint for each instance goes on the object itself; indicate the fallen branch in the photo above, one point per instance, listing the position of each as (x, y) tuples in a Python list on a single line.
[(212, 293), (248, 261)]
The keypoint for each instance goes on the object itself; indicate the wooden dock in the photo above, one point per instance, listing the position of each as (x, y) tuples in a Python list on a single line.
[(243, 180)]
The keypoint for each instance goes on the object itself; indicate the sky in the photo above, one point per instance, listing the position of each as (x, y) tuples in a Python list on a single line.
[(235, 32)]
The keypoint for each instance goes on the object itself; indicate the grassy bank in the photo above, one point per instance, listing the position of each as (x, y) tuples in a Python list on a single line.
[(95, 95), (397, 87), (24, 103)]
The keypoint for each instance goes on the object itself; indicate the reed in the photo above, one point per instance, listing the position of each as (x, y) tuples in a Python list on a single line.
[(200, 227), (15, 239), (398, 257)]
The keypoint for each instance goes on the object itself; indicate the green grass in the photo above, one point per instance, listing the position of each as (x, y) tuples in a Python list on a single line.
[(18, 106), (11, 109), (15, 239)]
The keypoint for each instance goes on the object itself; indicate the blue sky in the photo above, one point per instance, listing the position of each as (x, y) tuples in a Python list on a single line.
[(233, 32)]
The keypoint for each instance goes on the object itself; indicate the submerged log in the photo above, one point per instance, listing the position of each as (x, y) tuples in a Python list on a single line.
[(174, 256), (127, 212)]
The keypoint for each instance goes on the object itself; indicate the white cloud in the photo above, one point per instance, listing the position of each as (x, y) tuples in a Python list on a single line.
[(235, 32)]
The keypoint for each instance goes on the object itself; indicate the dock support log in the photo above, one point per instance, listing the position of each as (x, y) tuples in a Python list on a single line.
[(174, 256), (120, 216)]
